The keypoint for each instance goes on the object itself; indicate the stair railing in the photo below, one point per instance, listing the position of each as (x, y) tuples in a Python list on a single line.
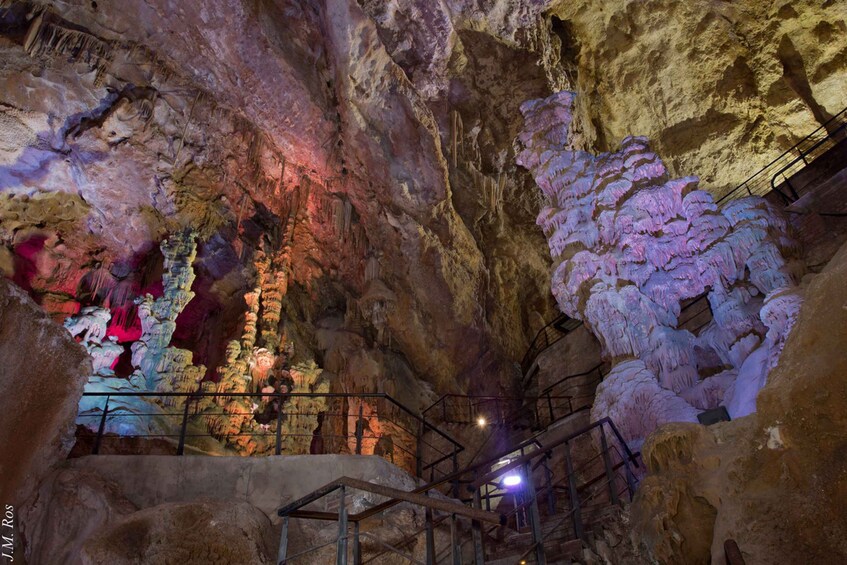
[(547, 336), (793, 159), (297, 509), (529, 465)]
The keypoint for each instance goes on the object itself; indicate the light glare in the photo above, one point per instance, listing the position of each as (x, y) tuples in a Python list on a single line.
[(511, 480)]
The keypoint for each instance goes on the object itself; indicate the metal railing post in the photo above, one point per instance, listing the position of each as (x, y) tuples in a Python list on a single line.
[(180, 450), (476, 530), (341, 550), (283, 542), (607, 462), (548, 475), (454, 541), (487, 497), (574, 495), (537, 414), (430, 538), (360, 430), (550, 407), (101, 428), (455, 470), (419, 449), (279, 424), (534, 516), (357, 549)]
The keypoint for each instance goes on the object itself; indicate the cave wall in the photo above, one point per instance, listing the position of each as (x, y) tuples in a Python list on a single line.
[(365, 136), (773, 481), (721, 88), (255, 121), (42, 372)]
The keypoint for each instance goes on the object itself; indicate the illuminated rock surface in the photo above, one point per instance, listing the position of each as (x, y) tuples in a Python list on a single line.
[(631, 245), (773, 481), (348, 169)]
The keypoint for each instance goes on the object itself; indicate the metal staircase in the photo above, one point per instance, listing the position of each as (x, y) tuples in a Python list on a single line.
[(536, 502), (776, 176)]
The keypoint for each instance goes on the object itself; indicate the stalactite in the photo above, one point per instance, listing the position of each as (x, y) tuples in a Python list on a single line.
[(46, 36), (302, 412)]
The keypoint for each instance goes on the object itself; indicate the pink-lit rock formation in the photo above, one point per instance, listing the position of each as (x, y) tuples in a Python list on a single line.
[(159, 367), (632, 244), (774, 482)]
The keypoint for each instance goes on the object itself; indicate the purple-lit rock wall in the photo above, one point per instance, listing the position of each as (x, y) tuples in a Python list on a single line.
[(631, 245)]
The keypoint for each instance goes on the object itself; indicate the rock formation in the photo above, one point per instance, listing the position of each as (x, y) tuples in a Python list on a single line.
[(631, 245), (91, 325), (302, 414), (166, 368), (42, 373), (720, 89), (159, 367), (774, 481)]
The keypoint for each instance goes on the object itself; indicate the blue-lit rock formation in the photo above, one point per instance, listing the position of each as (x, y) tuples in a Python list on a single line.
[(159, 367)]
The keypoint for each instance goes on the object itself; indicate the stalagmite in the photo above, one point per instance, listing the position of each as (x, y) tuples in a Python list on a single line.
[(166, 368), (632, 244)]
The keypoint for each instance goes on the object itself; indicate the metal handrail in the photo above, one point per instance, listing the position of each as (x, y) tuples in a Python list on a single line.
[(748, 184), (292, 509), (569, 377), (297, 509), (561, 441), (196, 396), (535, 347), (802, 157)]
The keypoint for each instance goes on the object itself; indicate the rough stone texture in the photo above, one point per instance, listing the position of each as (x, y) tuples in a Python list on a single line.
[(721, 88), (42, 373), (114, 509), (192, 533), (632, 245), (72, 505), (265, 482), (342, 136), (775, 480), (295, 129)]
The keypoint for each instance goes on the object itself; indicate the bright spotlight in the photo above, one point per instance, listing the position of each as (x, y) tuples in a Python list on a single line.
[(481, 421), (511, 480)]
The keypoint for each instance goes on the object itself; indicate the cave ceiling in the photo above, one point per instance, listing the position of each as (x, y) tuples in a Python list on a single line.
[(374, 140)]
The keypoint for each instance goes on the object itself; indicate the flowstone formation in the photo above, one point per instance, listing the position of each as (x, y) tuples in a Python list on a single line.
[(631, 245), (158, 366), (91, 325)]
